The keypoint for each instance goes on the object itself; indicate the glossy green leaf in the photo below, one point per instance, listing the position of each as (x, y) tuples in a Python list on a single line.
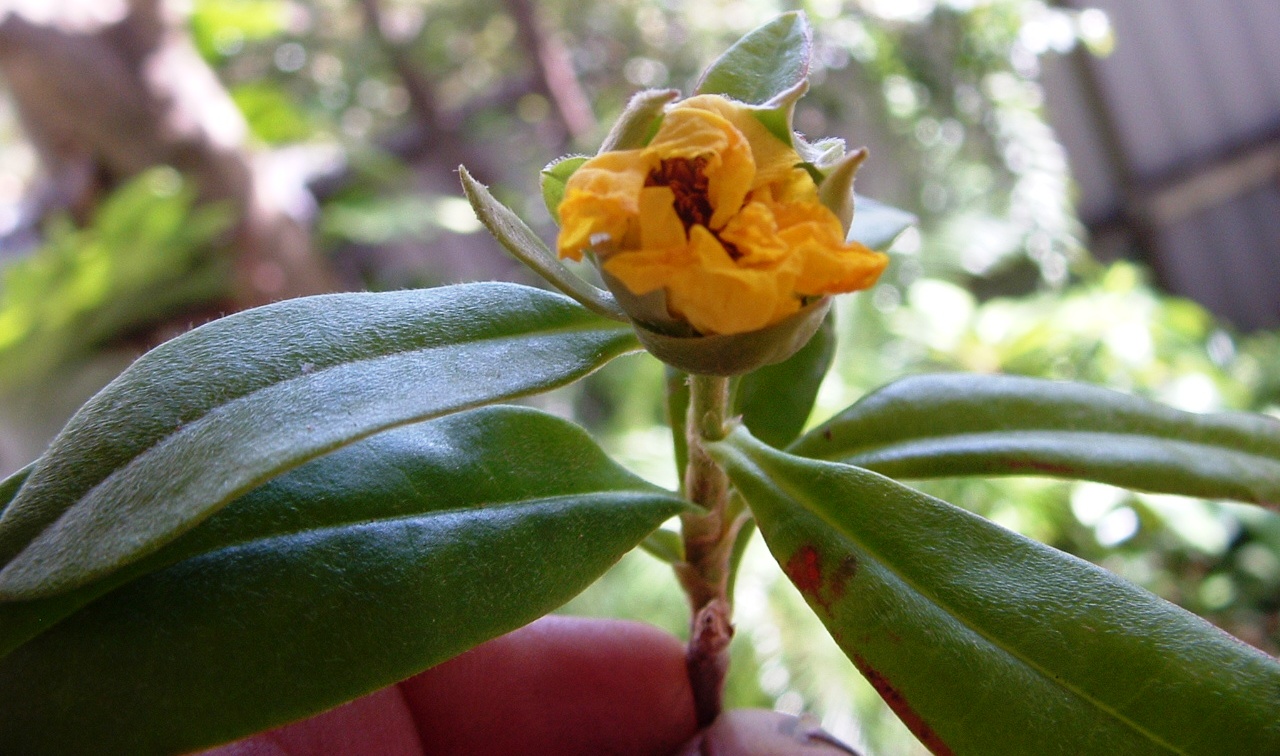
[(775, 401), (767, 63), (553, 180), (338, 578), (958, 424), (216, 412), (517, 238), (987, 642), (878, 225)]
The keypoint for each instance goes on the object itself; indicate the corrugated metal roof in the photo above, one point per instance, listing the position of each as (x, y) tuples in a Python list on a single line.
[(1174, 140)]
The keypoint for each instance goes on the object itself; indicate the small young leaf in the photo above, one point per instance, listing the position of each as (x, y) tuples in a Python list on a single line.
[(213, 413), (958, 424), (983, 641), (763, 65), (677, 383), (554, 178), (517, 238), (664, 545), (343, 576), (877, 225), (740, 543), (775, 401)]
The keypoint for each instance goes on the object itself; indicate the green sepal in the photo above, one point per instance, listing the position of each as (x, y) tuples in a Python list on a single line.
[(777, 114), (735, 354), (553, 180), (517, 238), (835, 191), (639, 121), (984, 641), (338, 578)]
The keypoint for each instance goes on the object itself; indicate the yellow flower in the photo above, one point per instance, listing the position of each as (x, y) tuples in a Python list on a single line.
[(717, 212)]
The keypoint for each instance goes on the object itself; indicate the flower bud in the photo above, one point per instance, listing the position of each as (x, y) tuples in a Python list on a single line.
[(720, 241)]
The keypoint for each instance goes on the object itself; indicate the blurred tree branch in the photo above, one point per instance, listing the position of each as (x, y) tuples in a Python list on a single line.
[(102, 101), (553, 68)]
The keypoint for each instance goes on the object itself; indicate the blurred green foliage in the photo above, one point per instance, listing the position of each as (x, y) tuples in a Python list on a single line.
[(144, 255)]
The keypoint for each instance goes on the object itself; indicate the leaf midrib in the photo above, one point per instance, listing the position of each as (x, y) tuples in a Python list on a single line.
[(204, 419), (1074, 435), (810, 507), (614, 494), (1159, 421), (160, 445), (302, 378)]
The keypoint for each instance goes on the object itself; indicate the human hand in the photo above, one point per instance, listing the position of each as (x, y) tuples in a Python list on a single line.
[(560, 686)]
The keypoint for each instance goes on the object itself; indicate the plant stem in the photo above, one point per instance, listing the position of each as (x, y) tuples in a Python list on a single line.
[(708, 543)]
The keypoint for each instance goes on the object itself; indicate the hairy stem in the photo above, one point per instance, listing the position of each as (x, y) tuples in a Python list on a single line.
[(708, 544)]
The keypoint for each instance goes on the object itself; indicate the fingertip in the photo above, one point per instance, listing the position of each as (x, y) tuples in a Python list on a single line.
[(561, 685), (379, 723)]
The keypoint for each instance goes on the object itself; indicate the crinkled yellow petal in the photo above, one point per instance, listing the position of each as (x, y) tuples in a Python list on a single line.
[(754, 234), (718, 296), (646, 270), (829, 264), (774, 158), (794, 186), (830, 270), (585, 219), (660, 226), (601, 201), (736, 237), (690, 134)]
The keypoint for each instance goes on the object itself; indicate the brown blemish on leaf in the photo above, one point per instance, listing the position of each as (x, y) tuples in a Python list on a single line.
[(841, 577), (1037, 466), (898, 703), (805, 570)]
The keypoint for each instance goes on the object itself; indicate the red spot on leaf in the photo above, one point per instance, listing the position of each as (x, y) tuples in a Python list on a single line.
[(898, 703), (1037, 466), (805, 570)]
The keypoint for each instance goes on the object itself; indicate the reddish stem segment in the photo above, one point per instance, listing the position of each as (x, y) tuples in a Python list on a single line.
[(708, 544)]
